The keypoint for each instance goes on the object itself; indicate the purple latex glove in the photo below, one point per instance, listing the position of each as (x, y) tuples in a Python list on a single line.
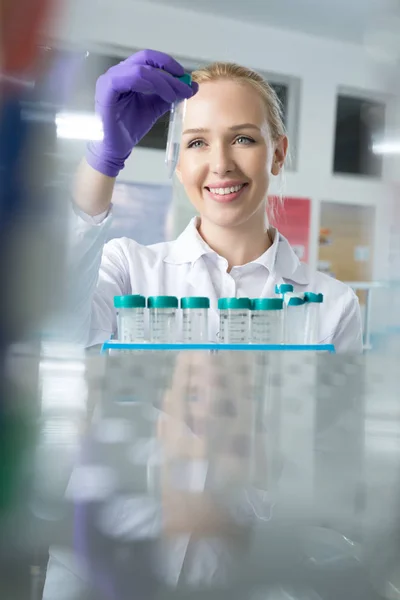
[(130, 97)]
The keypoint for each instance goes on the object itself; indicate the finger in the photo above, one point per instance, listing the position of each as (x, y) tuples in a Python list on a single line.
[(195, 87), (143, 80), (128, 78), (159, 60), (162, 83), (180, 90)]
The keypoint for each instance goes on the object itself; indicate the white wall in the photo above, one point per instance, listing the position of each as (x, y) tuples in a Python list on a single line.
[(322, 65)]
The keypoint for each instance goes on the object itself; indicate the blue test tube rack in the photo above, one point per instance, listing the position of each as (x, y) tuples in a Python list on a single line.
[(115, 345)]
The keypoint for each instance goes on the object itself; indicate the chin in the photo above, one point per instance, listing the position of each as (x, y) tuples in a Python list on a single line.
[(227, 219)]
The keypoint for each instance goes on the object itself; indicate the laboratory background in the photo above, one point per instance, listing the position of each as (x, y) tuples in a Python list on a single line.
[(173, 471)]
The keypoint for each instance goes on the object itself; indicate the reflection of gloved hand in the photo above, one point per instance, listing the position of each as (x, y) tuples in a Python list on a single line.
[(130, 97), (205, 432)]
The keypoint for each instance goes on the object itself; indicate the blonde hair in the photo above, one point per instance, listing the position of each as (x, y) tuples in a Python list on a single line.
[(232, 71), (273, 106)]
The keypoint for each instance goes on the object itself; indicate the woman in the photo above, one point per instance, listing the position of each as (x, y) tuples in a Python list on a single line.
[(233, 142)]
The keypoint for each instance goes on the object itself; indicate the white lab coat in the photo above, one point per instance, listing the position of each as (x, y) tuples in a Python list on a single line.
[(188, 267)]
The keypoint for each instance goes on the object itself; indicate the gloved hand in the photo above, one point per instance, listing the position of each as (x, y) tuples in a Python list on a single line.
[(130, 97)]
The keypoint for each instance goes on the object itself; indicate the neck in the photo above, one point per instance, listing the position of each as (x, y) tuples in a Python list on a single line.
[(238, 245)]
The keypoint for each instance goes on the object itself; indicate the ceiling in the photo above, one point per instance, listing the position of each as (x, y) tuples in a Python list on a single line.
[(346, 20)]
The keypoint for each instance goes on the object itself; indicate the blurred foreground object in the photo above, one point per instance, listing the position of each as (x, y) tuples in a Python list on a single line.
[(29, 229), (31, 253), (21, 22), (29, 225)]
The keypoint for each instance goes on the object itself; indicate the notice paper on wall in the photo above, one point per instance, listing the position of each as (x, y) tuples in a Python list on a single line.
[(362, 253)]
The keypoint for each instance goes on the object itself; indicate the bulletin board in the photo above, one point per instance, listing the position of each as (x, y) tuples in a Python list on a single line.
[(292, 219), (346, 241), (141, 212)]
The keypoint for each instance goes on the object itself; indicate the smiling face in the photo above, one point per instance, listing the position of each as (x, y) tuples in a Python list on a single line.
[(227, 153)]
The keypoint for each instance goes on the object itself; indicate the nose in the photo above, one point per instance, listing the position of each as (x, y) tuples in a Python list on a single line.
[(221, 159)]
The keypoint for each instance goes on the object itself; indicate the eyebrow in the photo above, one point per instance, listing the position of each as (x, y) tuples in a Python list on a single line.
[(234, 128)]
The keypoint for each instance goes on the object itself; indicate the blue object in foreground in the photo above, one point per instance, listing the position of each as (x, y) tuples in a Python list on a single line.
[(115, 345)]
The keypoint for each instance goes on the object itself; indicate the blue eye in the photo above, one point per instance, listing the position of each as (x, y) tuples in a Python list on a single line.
[(244, 140), (196, 144)]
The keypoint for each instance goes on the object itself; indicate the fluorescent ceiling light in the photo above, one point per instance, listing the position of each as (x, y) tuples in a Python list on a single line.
[(386, 148)]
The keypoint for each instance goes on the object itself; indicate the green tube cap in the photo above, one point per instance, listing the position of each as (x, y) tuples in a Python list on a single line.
[(195, 302), (311, 297), (162, 302), (283, 288), (186, 78), (234, 303), (135, 301), (296, 301), (267, 304)]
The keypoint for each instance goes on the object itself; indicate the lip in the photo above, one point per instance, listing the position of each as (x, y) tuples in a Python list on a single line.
[(226, 198), (226, 183)]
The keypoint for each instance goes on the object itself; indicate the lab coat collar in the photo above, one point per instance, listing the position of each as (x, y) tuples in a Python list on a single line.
[(287, 265), (280, 260)]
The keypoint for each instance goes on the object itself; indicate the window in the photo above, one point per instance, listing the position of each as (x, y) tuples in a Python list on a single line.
[(156, 138), (96, 63), (359, 123), (282, 91)]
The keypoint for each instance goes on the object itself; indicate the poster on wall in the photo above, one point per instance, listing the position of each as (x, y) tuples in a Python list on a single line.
[(346, 242), (141, 212), (293, 221)]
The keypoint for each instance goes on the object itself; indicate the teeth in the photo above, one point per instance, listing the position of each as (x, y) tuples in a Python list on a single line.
[(227, 190)]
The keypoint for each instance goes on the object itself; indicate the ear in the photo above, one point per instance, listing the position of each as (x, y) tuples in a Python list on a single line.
[(281, 148)]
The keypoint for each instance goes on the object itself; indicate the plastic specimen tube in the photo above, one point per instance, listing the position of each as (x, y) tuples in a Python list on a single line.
[(295, 322), (175, 130), (234, 320), (162, 319), (195, 319), (130, 318), (266, 321), (312, 309)]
